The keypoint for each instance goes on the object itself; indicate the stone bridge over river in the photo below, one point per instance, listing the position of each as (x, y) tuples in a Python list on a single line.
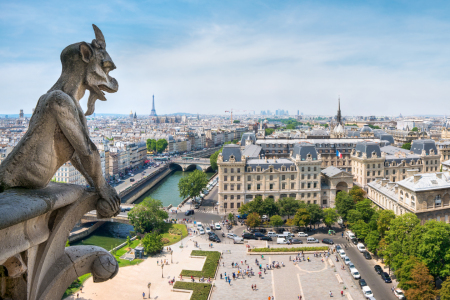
[(188, 164)]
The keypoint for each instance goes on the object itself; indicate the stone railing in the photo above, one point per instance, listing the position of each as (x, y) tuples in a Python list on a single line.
[(34, 228)]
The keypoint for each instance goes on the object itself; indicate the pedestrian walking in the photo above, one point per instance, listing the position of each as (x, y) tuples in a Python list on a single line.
[(78, 295), (342, 293), (143, 295), (331, 294), (229, 281), (253, 288), (81, 289)]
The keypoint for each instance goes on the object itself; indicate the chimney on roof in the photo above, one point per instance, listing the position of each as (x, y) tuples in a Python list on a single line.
[(417, 177), (439, 175), (384, 181), (412, 172), (391, 184)]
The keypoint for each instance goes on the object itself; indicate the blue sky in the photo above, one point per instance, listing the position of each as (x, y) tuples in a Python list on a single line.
[(381, 57)]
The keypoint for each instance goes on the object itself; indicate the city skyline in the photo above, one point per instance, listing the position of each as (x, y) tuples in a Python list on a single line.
[(382, 58)]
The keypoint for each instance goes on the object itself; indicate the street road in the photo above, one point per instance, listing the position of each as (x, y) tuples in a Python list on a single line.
[(125, 183)]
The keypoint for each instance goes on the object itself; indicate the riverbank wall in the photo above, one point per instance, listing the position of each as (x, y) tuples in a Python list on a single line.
[(146, 185), (84, 232)]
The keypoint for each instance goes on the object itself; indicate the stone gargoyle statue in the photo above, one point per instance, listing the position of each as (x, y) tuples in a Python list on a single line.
[(58, 129)]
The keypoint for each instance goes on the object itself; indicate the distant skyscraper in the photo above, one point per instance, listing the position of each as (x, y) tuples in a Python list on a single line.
[(21, 113), (298, 112), (153, 112)]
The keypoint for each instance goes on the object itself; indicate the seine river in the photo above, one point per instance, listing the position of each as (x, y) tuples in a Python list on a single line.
[(113, 234)]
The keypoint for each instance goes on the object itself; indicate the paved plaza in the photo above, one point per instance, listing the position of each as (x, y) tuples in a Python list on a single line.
[(311, 280)]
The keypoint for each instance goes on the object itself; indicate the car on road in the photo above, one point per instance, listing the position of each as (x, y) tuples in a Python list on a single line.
[(217, 226), (367, 255), (328, 241), (249, 236), (272, 234), (196, 206), (189, 212), (302, 234), (361, 247), (259, 235), (355, 273), (338, 247), (210, 233), (214, 238), (342, 253), (265, 238), (367, 291), (354, 241), (281, 240), (378, 269), (347, 260), (351, 266), (201, 231), (399, 294), (231, 235), (208, 230), (265, 217), (362, 283), (132, 180), (385, 276), (238, 240), (296, 241), (311, 240)]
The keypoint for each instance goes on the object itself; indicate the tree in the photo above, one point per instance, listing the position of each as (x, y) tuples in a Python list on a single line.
[(330, 216), (421, 284), (269, 207), (315, 213), (406, 146), (161, 145), (384, 221), (344, 203), (434, 248), (128, 241), (276, 221), (302, 217), (361, 229), (213, 160), (444, 292), (193, 184), (365, 207), (372, 240), (403, 274), (290, 222), (152, 242), (415, 129), (151, 145), (256, 205), (253, 220), (147, 215), (357, 193), (354, 216), (288, 206), (231, 217), (269, 131), (236, 121)]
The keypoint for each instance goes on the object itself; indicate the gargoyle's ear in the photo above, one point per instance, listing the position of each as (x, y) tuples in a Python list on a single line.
[(86, 52)]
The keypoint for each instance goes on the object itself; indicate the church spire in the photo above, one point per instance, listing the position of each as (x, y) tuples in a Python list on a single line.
[(338, 116)]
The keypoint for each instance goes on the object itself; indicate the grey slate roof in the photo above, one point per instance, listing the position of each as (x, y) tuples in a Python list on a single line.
[(305, 149), (229, 150), (246, 135), (387, 137), (331, 171), (252, 151), (366, 128), (418, 145), (391, 151), (276, 163), (368, 148)]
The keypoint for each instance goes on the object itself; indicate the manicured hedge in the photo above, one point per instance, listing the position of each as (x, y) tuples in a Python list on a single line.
[(210, 266), (201, 290), (285, 249)]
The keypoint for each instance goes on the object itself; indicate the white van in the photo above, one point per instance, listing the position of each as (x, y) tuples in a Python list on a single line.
[(199, 225), (310, 240), (367, 291), (272, 234), (284, 236), (355, 274), (288, 233), (351, 235), (281, 240), (361, 247), (238, 240)]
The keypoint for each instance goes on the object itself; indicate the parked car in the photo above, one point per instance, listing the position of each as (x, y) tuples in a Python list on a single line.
[(311, 240), (351, 266), (378, 269), (214, 238), (354, 241), (385, 276), (342, 253), (367, 291), (367, 255), (399, 294), (296, 241), (249, 236), (196, 206), (201, 231), (302, 234), (338, 247), (361, 247), (258, 235), (189, 212), (355, 273), (282, 240), (231, 235), (132, 180), (347, 260), (362, 283), (328, 241), (217, 226), (208, 229), (272, 234), (238, 240), (265, 238)]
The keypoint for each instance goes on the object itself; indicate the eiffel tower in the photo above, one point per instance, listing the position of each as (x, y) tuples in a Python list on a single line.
[(153, 112)]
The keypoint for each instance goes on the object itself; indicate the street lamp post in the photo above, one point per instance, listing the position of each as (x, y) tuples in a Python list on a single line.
[(162, 270), (171, 256), (149, 284)]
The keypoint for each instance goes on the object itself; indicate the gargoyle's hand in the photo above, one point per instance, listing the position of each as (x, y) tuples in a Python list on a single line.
[(109, 204)]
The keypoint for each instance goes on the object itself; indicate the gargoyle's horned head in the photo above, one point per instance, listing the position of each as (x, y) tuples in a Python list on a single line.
[(94, 63)]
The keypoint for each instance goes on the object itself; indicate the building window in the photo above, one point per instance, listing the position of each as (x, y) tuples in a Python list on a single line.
[(271, 177), (258, 187), (324, 201), (239, 170), (238, 187), (225, 205), (309, 195), (292, 185), (292, 177), (303, 185), (438, 201), (249, 169), (368, 173), (249, 187), (225, 178), (238, 205), (249, 178), (271, 186), (225, 187), (232, 187), (225, 197), (231, 178), (283, 186), (303, 195), (232, 197), (231, 205), (309, 185), (303, 169), (283, 177), (238, 178), (232, 170), (387, 172), (315, 184), (224, 170), (258, 178)]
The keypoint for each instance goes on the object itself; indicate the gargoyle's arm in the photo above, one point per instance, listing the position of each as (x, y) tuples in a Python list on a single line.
[(75, 160)]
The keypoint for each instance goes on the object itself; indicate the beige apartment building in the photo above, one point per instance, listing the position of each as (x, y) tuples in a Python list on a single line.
[(427, 195), (370, 161), (244, 175)]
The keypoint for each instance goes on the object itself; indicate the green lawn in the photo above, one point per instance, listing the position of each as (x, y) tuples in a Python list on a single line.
[(173, 238), (201, 290), (75, 286), (210, 266), (123, 250), (296, 249)]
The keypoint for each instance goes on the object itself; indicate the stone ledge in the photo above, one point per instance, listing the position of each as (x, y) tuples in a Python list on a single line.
[(19, 205)]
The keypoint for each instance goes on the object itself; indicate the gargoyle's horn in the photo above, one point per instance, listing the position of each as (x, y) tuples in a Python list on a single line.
[(99, 35)]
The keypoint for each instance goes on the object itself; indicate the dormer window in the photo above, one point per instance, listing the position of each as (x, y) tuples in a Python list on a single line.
[(283, 168), (231, 156), (249, 169)]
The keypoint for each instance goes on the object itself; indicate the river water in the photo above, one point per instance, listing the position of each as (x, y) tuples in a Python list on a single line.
[(112, 234)]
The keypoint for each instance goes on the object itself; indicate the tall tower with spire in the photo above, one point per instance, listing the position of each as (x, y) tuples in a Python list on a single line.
[(338, 116), (153, 112)]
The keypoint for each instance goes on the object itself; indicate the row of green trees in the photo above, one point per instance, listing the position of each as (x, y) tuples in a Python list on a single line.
[(304, 214), (192, 184), (156, 145), (418, 254)]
